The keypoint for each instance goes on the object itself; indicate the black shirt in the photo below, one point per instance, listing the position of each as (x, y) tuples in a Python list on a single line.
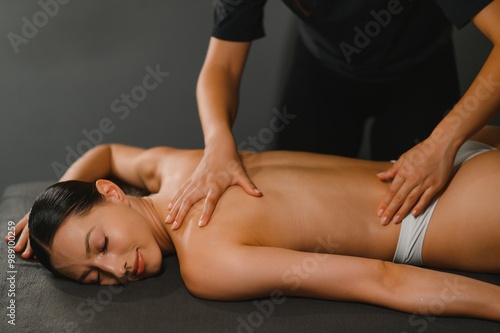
[(460, 12), (358, 39)]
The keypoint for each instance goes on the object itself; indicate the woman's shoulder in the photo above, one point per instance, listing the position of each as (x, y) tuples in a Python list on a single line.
[(149, 165), (159, 154)]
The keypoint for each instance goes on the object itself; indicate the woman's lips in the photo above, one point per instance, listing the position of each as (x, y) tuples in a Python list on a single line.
[(138, 267), (140, 264)]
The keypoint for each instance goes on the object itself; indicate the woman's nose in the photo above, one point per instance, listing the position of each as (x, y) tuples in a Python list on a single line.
[(113, 265)]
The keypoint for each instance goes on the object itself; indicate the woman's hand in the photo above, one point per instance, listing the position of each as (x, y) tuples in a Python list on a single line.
[(417, 176), (23, 242), (216, 172)]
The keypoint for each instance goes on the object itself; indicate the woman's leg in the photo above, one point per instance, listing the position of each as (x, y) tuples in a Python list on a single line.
[(245, 272), (464, 231)]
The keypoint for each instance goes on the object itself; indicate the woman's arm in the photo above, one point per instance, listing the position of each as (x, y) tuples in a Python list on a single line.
[(249, 272), (132, 165), (217, 95), (421, 172), (135, 166)]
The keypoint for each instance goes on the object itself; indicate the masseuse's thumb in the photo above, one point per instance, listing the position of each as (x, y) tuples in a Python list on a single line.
[(248, 185), (389, 173)]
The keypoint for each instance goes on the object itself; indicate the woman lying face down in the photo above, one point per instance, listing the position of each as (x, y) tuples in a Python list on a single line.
[(314, 229)]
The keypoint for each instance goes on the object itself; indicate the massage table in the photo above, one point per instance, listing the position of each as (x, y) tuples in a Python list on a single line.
[(36, 301)]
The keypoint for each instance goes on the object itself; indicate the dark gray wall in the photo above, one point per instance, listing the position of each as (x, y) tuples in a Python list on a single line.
[(471, 49), (63, 78)]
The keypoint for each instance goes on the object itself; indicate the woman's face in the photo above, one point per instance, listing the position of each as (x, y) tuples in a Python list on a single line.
[(112, 244)]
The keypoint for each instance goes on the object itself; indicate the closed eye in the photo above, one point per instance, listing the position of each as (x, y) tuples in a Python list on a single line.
[(105, 246), (103, 250)]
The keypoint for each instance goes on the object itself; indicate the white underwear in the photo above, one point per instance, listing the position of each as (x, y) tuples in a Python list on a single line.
[(413, 229)]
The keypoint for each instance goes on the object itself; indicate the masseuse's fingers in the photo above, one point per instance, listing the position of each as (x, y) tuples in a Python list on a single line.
[(242, 179), (175, 200), (415, 198), (210, 180), (393, 200), (402, 202), (389, 173), (236, 175), (419, 207), (418, 176), (189, 194), (209, 206)]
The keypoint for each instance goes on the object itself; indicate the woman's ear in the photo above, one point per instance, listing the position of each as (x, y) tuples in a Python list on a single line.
[(111, 191)]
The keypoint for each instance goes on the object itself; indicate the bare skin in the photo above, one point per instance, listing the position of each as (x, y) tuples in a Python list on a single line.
[(300, 238)]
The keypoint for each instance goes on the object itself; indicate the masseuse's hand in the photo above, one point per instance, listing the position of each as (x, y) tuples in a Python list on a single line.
[(23, 242), (217, 171), (417, 176)]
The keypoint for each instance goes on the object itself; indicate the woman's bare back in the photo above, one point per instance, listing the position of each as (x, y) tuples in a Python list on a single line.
[(311, 202), (319, 203)]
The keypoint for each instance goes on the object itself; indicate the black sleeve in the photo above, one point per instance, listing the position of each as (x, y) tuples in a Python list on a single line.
[(460, 12), (238, 20)]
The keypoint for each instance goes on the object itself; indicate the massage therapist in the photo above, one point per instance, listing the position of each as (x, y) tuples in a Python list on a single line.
[(388, 59)]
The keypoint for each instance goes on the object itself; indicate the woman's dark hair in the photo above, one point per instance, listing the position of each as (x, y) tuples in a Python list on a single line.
[(52, 208)]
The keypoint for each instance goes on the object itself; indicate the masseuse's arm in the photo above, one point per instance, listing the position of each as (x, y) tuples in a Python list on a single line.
[(217, 96), (133, 165), (422, 172)]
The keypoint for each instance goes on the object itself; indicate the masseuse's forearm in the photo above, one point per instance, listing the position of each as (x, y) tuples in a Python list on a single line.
[(217, 96), (482, 100), (217, 90), (477, 106)]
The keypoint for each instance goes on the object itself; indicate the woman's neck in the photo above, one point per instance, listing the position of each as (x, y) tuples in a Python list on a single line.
[(155, 216)]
